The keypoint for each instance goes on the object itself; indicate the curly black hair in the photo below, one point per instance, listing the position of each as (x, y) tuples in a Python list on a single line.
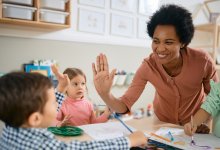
[(174, 15)]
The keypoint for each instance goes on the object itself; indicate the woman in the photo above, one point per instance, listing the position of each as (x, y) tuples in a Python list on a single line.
[(179, 74)]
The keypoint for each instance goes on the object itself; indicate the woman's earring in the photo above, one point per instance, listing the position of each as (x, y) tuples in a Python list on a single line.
[(182, 46)]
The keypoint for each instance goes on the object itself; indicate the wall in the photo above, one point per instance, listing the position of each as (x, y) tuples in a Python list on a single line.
[(20, 44), (16, 51)]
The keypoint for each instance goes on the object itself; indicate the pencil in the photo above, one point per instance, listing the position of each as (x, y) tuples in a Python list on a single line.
[(163, 138), (192, 139), (122, 122)]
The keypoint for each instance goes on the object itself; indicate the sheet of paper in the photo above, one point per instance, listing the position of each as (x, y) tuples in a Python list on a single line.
[(108, 130), (183, 141)]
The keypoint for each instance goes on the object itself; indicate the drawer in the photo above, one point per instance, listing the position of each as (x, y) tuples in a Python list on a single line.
[(17, 11), (53, 4), (21, 2), (53, 16)]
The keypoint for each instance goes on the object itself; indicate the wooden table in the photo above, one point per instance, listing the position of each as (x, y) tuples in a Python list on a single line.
[(146, 124)]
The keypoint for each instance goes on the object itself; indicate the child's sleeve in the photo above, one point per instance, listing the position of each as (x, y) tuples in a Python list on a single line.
[(121, 143), (60, 98), (212, 103)]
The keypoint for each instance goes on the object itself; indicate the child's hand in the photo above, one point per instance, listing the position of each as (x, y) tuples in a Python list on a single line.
[(137, 138), (107, 111), (189, 130), (66, 120), (63, 79)]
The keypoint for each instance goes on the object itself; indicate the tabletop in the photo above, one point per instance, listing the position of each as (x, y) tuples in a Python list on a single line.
[(145, 124)]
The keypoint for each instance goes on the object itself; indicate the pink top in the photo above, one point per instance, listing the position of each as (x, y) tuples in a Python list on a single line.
[(81, 112), (176, 98)]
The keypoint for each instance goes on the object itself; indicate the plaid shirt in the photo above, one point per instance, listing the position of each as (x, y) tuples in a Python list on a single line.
[(41, 139)]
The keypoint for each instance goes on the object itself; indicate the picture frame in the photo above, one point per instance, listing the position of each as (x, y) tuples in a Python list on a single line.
[(91, 21), (45, 70), (122, 25), (96, 3), (124, 5), (142, 28), (148, 7)]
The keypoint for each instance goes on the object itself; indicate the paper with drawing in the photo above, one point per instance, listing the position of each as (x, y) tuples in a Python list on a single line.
[(182, 141)]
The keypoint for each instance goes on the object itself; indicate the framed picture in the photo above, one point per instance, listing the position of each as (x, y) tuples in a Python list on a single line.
[(45, 70), (124, 5), (97, 3), (142, 28), (148, 7), (122, 25), (91, 21)]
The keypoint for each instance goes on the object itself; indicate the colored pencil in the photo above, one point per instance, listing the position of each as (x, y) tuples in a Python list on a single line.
[(122, 122), (171, 136), (163, 138)]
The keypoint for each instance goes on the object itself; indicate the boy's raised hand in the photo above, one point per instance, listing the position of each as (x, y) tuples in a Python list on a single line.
[(63, 79)]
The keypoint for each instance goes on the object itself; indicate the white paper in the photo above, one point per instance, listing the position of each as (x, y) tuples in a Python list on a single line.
[(108, 130), (178, 134)]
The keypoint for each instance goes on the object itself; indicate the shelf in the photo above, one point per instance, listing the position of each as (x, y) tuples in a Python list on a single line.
[(32, 23), (36, 18), (209, 27)]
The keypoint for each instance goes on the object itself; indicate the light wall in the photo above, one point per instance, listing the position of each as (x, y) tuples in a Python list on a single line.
[(16, 51)]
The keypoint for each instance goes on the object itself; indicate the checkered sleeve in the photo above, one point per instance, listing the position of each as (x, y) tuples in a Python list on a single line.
[(41, 139), (121, 143), (60, 98)]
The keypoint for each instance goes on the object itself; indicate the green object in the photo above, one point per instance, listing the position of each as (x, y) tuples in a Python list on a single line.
[(212, 106), (66, 130)]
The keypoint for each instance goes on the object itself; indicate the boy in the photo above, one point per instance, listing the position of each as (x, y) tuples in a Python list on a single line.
[(28, 106)]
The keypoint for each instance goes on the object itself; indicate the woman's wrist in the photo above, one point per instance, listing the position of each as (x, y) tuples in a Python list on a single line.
[(105, 96)]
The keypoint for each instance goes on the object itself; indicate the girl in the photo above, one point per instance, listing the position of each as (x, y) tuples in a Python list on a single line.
[(76, 109)]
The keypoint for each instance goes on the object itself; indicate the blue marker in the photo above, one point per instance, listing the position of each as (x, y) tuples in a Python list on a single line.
[(171, 136), (118, 118)]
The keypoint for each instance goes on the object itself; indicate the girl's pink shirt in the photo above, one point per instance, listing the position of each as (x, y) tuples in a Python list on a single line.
[(81, 112), (176, 98)]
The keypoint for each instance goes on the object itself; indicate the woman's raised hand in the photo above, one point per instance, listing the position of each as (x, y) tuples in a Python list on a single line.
[(102, 78)]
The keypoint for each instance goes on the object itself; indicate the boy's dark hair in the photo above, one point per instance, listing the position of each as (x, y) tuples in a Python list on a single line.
[(73, 72), (22, 94), (174, 15)]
